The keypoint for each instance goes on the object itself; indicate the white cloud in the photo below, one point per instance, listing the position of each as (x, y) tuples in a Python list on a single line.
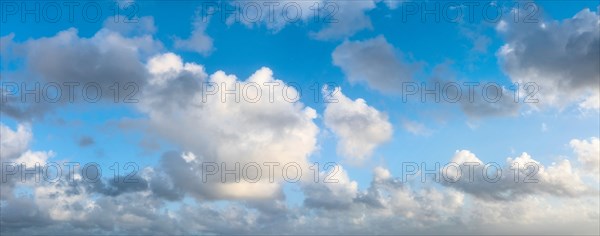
[(380, 174), (164, 68), (544, 127), (30, 159), (588, 154), (416, 128), (591, 103), (359, 127), (14, 142), (519, 176), (14, 150), (225, 131)]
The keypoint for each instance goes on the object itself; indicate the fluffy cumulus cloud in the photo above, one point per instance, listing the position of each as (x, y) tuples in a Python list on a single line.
[(561, 57), (256, 125), (359, 127), (517, 177)]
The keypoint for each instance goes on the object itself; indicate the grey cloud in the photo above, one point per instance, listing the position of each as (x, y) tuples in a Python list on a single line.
[(175, 178), (103, 60), (495, 101), (119, 185), (12, 106), (386, 206), (470, 96), (163, 187), (179, 93), (68, 58), (347, 19), (480, 107), (198, 40), (318, 197), (374, 62), (85, 141), (562, 57), (124, 214), (21, 213), (64, 207), (6, 42), (560, 179)]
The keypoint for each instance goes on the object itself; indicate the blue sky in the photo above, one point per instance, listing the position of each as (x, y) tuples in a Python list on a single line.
[(171, 48)]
